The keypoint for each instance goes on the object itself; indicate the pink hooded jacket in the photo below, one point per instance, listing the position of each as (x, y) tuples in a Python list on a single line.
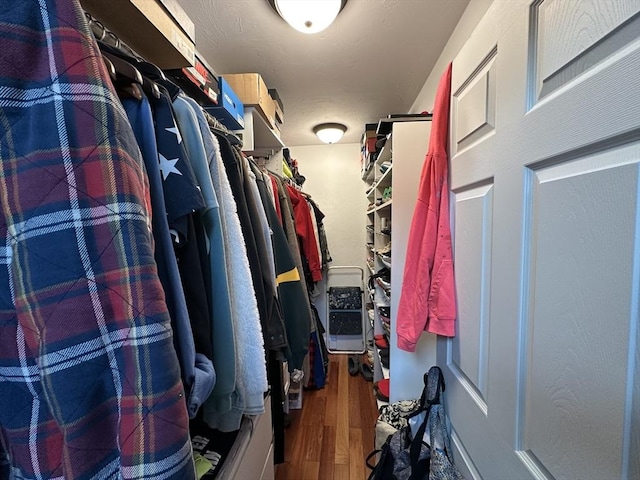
[(428, 300)]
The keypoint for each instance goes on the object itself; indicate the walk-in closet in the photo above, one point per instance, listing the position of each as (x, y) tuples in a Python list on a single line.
[(319, 239)]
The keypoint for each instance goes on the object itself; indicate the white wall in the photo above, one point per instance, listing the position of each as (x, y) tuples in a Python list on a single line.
[(334, 183), (467, 24)]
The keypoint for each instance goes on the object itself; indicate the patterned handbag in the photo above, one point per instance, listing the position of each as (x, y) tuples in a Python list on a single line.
[(393, 417), (419, 450), (441, 465), (402, 457)]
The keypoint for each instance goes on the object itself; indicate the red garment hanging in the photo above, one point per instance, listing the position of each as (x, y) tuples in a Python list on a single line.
[(304, 229), (428, 301)]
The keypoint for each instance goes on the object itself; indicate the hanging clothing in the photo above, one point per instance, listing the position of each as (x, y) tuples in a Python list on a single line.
[(182, 195), (251, 373), (221, 321), (198, 374), (316, 231), (272, 194), (276, 198), (428, 300), (270, 315), (322, 235), (288, 221), (304, 227), (85, 338), (294, 301), (260, 221), (288, 226)]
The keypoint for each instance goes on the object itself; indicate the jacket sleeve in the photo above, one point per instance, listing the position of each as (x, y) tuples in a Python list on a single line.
[(442, 297), (413, 306)]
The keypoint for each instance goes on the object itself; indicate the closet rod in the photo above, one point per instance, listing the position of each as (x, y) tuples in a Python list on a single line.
[(103, 34)]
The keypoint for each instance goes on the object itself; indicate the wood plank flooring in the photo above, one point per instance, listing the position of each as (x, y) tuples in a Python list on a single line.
[(331, 436)]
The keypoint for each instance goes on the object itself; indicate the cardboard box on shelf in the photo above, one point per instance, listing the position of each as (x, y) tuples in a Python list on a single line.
[(149, 29), (276, 96), (277, 129), (279, 108), (370, 130), (252, 91), (369, 137), (279, 116)]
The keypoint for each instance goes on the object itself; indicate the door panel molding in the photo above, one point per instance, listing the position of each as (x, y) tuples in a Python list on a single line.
[(474, 105), (472, 390), (580, 235), (567, 38), (460, 451), (468, 352)]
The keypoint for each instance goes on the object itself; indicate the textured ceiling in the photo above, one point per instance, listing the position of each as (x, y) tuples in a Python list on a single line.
[(372, 61)]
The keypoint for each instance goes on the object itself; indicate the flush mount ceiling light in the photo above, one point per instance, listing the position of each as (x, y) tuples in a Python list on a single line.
[(330, 132), (308, 16)]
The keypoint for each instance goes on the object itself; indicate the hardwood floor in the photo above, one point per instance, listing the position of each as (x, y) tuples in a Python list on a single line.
[(331, 436)]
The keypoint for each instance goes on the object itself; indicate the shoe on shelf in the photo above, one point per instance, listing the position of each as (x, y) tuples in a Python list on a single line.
[(384, 166), (382, 389), (386, 258), (382, 342), (384, 357), (386, 250), (386, 326)]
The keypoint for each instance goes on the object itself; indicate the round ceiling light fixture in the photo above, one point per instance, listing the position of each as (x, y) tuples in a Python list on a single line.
[(308, 16), (330, 132)]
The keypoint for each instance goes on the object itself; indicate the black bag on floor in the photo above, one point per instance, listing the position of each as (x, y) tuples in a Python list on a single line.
[(408, 457), (401, 457)]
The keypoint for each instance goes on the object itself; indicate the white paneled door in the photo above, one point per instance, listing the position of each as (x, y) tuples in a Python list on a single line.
[(543, 377)]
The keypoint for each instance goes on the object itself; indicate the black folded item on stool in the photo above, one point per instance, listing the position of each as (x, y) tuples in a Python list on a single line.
[(345, 298), (345, 323)]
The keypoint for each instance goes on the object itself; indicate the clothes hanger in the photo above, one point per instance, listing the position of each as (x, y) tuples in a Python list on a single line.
[(261, 163), (128, 79), (130, 73), (217, 127), (152, 70), (150, 87), (124, 69), (117, 65), (110, 68)]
